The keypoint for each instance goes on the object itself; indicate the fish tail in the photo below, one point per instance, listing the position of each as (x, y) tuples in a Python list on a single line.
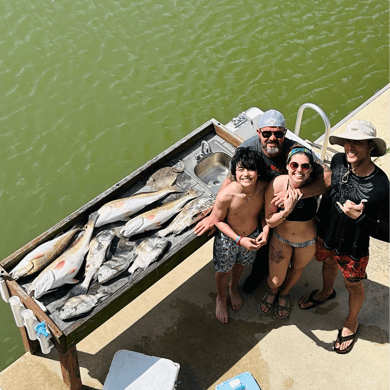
[(132, 268), (93, 217), (176, 188), (193, 192), (79, 289), (162, 233)]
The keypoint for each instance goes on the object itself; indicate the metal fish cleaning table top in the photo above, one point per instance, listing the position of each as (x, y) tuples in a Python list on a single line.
[(203, 171)]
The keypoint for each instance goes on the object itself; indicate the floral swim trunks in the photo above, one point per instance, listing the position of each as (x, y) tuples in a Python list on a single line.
[(353, 270), (226, 252)]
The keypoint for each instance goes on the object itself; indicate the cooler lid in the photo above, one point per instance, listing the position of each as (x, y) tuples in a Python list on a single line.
[(135, 371)]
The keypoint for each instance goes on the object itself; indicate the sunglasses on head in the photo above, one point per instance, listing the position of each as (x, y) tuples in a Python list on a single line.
[(304, 167), (278, 134)]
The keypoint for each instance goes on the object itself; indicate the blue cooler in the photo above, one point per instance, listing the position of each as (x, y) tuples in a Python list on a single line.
[(243, 381)]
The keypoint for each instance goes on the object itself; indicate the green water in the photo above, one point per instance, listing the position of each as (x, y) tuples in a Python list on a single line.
[(90, 91)]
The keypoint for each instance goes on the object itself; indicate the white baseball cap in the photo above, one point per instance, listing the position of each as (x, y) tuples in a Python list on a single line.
[(272, 118)]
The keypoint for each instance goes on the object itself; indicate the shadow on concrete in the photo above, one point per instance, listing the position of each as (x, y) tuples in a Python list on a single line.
[(183, 327)]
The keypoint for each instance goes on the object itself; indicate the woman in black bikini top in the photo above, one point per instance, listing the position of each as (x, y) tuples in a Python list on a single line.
[(294, 235)]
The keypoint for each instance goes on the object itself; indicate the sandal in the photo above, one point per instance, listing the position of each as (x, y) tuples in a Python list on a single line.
[(268, 305), (286, 307), (340, 339), (314, 301)]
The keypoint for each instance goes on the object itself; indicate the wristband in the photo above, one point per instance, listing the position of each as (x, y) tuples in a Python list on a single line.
[(238, 240)]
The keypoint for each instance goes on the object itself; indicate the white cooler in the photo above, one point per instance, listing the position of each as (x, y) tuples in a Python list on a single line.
[(135, 371)]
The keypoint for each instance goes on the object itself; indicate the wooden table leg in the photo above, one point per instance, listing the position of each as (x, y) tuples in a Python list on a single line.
[(70, 368), (29, 345)]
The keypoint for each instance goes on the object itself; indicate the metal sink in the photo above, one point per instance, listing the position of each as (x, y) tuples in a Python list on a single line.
[(212, 169)]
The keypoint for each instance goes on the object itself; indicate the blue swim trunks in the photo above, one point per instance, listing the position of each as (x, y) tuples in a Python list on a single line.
[(226, 252)]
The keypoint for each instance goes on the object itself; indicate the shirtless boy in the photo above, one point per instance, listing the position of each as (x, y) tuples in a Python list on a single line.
[(237, 210)]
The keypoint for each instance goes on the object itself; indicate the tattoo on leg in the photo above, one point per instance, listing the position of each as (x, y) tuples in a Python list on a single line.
[(276, 255)]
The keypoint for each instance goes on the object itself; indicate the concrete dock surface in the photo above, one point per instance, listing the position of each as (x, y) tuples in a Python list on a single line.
[(175, 319)]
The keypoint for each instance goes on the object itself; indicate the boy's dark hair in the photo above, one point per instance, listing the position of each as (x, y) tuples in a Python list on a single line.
[(248, 158)]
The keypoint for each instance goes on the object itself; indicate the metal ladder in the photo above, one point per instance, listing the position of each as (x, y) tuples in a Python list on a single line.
[(324, 118)]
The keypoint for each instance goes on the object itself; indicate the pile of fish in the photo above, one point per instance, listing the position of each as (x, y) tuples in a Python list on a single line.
[(60, 259)]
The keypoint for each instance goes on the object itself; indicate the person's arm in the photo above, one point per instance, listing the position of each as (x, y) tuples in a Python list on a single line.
[(273, 216), (209, 222), (319, 185), (376, 225), (262, 238), (270, 208)]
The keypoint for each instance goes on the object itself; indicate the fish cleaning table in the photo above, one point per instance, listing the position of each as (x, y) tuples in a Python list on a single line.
[(124, 288)]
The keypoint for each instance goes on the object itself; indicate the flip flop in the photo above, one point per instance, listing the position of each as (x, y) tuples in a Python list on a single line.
[(341, 339), (316, 302)]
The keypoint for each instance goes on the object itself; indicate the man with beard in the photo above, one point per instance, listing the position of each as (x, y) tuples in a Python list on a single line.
[(273, 147)]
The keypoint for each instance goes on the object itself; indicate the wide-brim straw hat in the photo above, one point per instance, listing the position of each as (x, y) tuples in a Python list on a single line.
[(360, 130)]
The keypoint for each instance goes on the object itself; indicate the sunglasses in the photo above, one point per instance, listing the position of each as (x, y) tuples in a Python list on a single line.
[(278, 134), (304, 167)]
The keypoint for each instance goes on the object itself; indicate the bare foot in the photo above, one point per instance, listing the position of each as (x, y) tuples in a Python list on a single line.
[(221, 310), (346, 331), (235, 298)]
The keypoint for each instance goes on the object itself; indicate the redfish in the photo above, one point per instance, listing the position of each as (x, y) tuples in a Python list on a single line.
[(43, 255), (153, 219), (64, 269)]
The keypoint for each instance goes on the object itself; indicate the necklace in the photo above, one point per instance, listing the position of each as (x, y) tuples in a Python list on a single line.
[(345, 177), (248, 198)]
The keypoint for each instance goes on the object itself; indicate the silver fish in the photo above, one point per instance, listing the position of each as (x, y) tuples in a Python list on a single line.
[(64, 269), (122, 209), (119, 263), (97, 253), (166, 176), (81, 304), (153, 219), (192, 212), (147, 252), (43, 255)]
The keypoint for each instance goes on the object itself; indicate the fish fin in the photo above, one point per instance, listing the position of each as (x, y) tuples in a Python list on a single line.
[(71, 272), (72, 281), (60, 264)]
